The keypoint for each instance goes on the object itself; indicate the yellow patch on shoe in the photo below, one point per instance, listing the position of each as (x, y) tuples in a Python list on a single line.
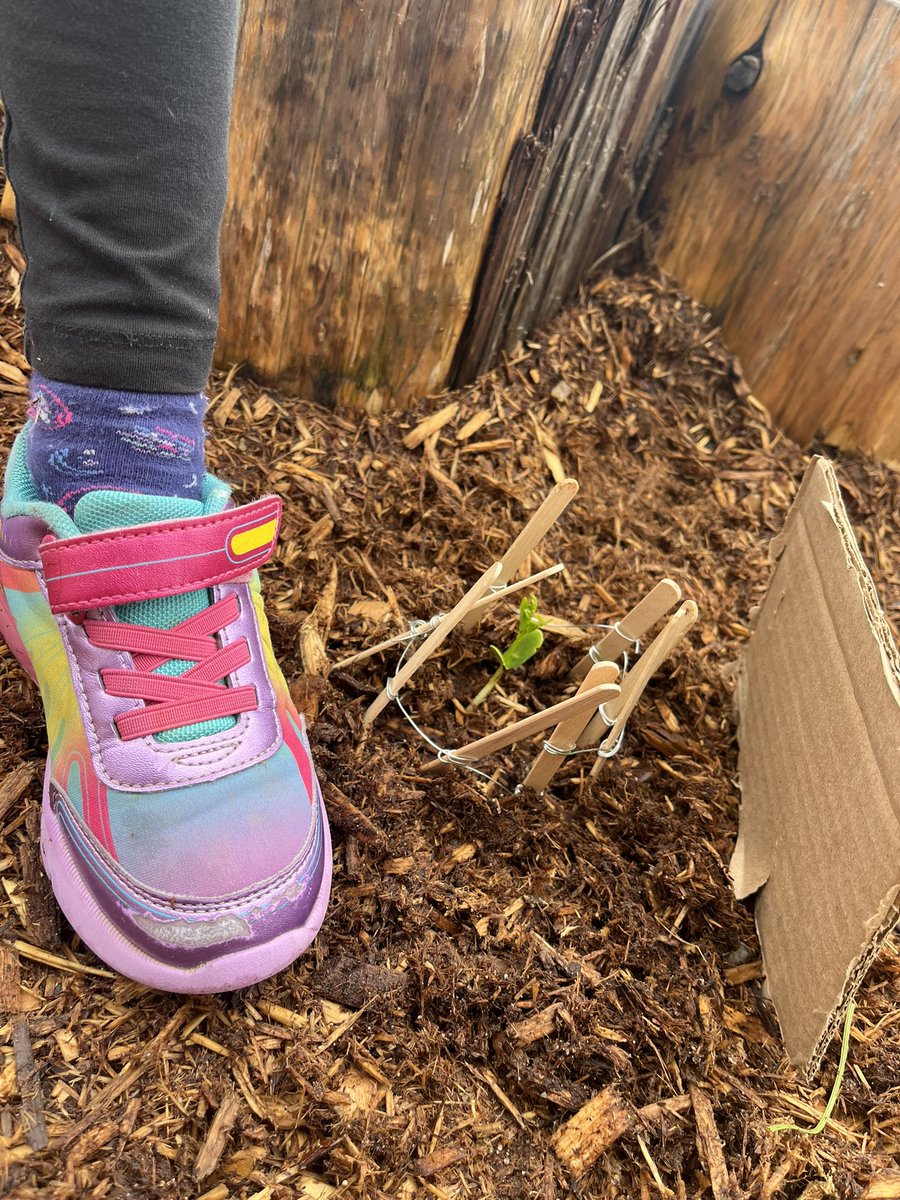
[(245, 541)]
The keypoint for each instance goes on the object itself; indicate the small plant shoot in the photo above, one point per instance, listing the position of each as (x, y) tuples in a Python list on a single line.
[(528, 640), (529, 637)]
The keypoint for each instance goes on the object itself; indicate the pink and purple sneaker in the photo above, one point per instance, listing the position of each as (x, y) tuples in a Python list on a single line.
[(182, 827)]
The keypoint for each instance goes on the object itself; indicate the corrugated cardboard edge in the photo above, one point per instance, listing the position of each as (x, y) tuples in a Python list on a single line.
[(751, 864)]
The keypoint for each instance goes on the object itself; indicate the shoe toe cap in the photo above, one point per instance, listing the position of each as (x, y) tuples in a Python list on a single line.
[(190, 875)]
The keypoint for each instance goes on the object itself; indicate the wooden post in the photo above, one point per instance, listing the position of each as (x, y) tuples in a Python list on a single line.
[(395, 167), (575, 173), (367, 153), (778, 201)]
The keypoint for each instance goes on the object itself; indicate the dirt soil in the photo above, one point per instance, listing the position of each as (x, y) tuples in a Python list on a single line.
[(491, 961)]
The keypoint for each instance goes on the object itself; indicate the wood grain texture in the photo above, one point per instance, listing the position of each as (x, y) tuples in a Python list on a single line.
[(575, 173), (780, 208), (367, 154)]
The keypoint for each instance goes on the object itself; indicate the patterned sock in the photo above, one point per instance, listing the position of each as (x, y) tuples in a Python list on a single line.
[(81, 439)]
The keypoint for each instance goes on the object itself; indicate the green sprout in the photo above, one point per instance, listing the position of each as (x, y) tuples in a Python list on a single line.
[(528, 640)]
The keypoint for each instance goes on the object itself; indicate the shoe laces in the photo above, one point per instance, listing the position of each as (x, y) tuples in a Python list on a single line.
[(201, 693)]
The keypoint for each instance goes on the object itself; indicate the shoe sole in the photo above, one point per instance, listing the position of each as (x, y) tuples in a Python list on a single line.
[(227, 973)]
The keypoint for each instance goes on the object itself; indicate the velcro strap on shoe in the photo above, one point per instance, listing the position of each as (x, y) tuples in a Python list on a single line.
[(118, 566)]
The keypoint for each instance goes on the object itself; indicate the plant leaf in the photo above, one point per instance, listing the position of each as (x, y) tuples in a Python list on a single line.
[(523, 648), (528, 639)]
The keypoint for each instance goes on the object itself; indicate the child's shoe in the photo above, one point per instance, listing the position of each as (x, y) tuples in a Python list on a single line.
[(182, 828)]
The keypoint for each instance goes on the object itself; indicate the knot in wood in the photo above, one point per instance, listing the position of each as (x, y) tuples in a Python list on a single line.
[(742, 74)]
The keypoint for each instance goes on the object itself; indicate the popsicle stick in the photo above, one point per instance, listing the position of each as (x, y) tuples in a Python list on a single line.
[(434, 639), (501, 738), (519, 586), (637, 678), (634, 625), (483, 603), (555, 504), (662, 646), (566, 734)]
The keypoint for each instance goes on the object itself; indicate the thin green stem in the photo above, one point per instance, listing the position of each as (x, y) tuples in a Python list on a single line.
[(486, 690), (835, 1091)]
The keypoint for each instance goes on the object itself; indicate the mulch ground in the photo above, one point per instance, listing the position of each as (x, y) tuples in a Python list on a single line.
[(491, 961)]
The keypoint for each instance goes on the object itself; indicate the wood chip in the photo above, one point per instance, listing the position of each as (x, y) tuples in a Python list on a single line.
[(213, 1145), (8, 202), (345, 815), (538, 1025), (14, 786), (85, 1147), (59, 963), (430, 425), (478, 421), (432, 1164), (42, 916), (33, 1121), (883, 1187), (219, 1192), (12, 373), (745, 972), (314, 631), (10, 988), (351, 983), (594, 398), (709, 1144), (592, 1130)]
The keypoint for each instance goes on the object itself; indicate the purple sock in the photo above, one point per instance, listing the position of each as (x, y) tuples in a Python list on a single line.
[(81, 439)]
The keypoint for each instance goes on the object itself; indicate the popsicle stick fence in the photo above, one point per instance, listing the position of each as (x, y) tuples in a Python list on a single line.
[(593, 719)]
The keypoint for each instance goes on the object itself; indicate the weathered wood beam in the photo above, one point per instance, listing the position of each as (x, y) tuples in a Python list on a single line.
[(575, 174), (367, 154)]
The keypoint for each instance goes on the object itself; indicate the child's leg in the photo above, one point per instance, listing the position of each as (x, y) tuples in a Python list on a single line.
[(182, 824), (116, 144)]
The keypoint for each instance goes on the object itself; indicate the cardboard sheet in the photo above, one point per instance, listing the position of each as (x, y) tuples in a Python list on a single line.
[(819, 727)]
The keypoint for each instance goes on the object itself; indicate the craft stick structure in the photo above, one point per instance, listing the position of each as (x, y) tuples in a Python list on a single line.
[(581, 702), (632, 627), (539, 525), (616, 713), (564, 738), (431, 643), (594, 717), (478, 608)]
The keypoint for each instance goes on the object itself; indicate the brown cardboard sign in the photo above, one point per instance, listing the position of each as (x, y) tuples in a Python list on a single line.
[(818, 700)]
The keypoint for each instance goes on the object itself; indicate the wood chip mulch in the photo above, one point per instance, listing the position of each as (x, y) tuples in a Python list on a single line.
[(513, 996)]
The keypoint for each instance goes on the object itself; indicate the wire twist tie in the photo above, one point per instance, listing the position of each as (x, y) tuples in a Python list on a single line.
[(612, 751), (419, 628), (454, 759), (550, 748), (636, 642)]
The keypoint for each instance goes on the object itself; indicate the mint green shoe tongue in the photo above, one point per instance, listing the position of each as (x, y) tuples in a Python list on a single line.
[(106, 509), (100, 510)]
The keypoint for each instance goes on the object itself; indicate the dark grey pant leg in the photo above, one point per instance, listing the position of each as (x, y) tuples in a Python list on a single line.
[(116, 140)]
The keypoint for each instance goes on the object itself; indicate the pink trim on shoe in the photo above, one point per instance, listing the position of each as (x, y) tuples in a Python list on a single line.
[(119, 566)]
